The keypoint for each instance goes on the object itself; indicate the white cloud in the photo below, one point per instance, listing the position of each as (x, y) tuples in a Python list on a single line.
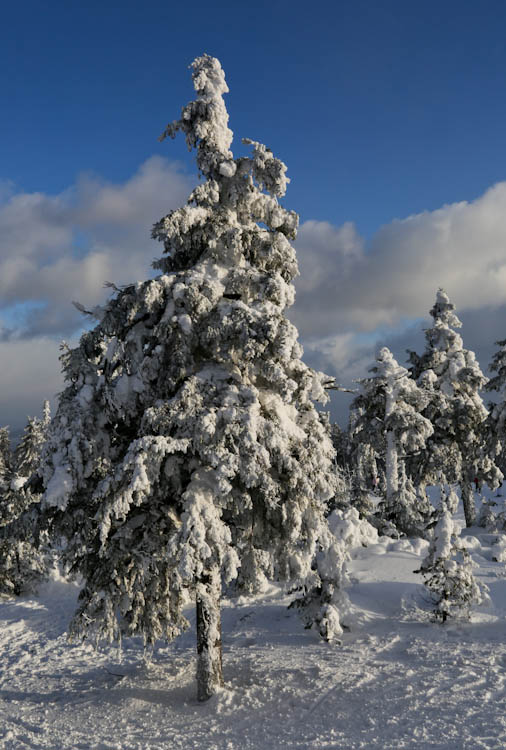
[(40, 257), (54, 249), (461, 247), (350, 297), (30, 373)]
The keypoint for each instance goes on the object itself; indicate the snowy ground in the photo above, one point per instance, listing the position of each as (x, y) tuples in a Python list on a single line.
[(397, 681)]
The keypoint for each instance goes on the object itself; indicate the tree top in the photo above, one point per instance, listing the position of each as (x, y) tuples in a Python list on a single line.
[(204, 121)]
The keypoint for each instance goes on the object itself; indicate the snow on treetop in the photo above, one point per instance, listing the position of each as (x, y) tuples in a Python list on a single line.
[(388, 365), (208, 77), (205, 121), (385, 355), (443, 311), (442, 297)]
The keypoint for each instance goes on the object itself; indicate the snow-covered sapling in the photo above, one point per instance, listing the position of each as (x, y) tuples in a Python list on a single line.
[(447, 569), (186, 449)]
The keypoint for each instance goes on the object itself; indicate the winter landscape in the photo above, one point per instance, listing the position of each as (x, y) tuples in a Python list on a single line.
[(208, 541)]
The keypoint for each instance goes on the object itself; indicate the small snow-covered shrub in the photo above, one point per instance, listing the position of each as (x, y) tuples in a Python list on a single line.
[(498, 550), (447, 569), (492, 516), (352, 530)]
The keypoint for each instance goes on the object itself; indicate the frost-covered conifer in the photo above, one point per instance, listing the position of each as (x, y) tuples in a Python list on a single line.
[(447, 569), (452, 379), (364, 477), (186, 449), (28, 451), (22, 565), (344, 471), (5, 455), (496, 423), (386, 416)]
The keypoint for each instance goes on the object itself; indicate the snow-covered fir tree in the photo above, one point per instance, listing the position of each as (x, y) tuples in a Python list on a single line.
[(496, 423), (386, 416), (22, 564), (5, 455), (28, 451), (344, 472), (364, 476), (452, 379), (447, 569), (186, 450)]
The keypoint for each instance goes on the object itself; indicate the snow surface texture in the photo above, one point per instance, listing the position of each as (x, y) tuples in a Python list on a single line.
[(397, 681)]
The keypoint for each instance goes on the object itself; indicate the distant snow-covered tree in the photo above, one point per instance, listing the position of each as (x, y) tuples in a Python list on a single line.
[(364, 477), (452, 379), (5, 455), (496, 423), (386, 416), (186, 446), (344, 470), (22, 564), (447, 569), (29, 449)]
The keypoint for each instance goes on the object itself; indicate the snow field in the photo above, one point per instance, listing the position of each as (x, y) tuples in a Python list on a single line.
[(397, 680)]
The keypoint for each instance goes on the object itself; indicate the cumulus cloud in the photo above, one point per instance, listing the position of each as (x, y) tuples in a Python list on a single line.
[(59, 248), (54, 249), (349, 287), (29, 374), (352, 296)]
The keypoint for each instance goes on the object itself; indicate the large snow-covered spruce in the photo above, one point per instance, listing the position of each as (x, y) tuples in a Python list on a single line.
[(186, 450), (451, 376)]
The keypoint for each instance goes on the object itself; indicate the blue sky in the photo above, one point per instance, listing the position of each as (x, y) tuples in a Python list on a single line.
[(382, 111)]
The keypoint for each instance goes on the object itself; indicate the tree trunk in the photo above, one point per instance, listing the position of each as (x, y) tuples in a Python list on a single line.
[(209, 665), (466, 489), (391, 467)]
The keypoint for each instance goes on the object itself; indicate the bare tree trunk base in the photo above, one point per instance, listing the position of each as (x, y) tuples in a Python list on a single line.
[(468, 503), (209, 652)]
